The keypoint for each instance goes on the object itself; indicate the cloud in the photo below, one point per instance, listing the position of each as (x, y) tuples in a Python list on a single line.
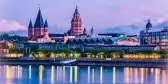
[(8, 25), (102, 14)]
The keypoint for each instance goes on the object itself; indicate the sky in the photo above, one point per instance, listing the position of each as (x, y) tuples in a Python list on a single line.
[(103, 15)]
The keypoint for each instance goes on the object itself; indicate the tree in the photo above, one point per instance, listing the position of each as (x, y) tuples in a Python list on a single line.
[(13, 38), (15, 50), (163, 53), (116, 53)]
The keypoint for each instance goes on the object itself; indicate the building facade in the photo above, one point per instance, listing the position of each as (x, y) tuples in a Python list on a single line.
[(38, 32), (76, 23), (158, 38), (105, 40)]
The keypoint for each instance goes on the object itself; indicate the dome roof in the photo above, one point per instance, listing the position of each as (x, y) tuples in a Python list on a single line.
[(149, 25)]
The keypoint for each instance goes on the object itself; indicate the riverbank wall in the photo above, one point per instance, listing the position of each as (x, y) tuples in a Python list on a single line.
[(88, 62)]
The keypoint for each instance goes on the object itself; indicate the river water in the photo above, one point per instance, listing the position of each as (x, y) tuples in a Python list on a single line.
[(39, 74)]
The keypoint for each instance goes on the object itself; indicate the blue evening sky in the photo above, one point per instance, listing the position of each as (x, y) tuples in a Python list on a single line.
[(104, 15)]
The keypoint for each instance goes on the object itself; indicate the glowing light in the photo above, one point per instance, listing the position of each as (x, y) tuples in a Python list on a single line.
[(10, 70), (60, 73), (114, 74), (142, 56), (136, 75), (41, 55), (41, 73), (52, 55), (57, 72), (146, 73), (164, 77), (19, 72), (101, 74), (130, 74), (76, 74), (142, 74), (88, 74), (157, 76), (30, 68), (52, 74), (71, 74), (126, 75), (64, 74), (92, 75), (152, 70), (9, 44)]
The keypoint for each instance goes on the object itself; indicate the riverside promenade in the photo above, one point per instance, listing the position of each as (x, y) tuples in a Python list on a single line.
[(88, 62)]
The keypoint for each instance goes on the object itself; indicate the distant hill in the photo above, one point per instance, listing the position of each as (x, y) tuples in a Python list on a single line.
[(160, 26), (135, 28), (127, 29), (18, 32)]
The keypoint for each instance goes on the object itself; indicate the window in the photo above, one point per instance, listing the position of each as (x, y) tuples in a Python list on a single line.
[(76, 25)]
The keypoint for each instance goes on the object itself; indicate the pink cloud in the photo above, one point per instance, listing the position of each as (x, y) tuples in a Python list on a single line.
[(7, 25)]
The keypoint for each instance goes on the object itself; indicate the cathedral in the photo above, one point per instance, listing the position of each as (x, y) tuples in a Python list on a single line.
[(76, 26), (38, 32)]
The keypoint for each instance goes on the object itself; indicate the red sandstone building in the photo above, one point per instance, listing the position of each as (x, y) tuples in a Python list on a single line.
[(76, 25), (38, 32)]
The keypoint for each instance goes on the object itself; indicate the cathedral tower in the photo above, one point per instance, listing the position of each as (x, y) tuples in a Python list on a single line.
[(39, 25), (84, 31), (92, 32), (76, 23), (46, 30), (40, 30), (30, 30)]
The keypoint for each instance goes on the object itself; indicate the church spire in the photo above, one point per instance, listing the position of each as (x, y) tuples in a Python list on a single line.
[(92, 32), (46, 23), (76, 7), (39, 23), (30, 24), (76, 23), (76, 10), (84, 31)]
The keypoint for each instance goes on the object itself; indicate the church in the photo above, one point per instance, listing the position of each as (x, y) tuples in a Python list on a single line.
[(39, 31), (76, 26)]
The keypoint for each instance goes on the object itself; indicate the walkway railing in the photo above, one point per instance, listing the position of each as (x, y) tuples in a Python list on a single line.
[(68, 61)]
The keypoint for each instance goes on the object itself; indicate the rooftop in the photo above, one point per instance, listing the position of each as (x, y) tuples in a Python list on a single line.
[(56, 35), (111, 34)]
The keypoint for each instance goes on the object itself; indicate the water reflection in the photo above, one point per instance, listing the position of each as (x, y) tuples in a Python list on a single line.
[(30, 68), (92, 75), (52, 74), (71, 76), (83, 74), (88, 74), (13, 72), (41, 74), (114, 75)]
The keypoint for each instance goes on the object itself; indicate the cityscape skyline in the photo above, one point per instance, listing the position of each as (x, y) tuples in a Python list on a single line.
[(111, 17), (83, 41)]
